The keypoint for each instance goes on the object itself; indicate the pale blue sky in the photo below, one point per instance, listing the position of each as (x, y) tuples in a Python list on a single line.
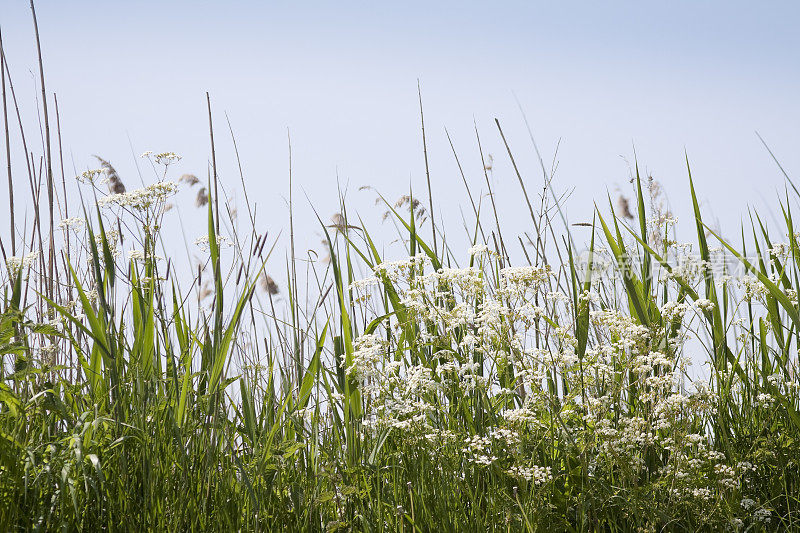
[(599, 76)]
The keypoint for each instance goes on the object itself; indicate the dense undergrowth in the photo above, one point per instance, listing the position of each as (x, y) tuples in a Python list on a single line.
[(624, 383)]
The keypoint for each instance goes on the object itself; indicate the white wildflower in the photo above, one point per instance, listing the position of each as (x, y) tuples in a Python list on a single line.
[(539, 475), (765, 400), (72, 223), (704, 304), (747, 504), (762, 515), (142, 199), (16, 263), (204, 244), (478, 250), (89, 176), (166, 158), (368, 352)]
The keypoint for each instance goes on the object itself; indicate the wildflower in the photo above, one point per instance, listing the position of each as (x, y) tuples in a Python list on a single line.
[(71, 223), (704, 304), (753, 288), (89, 176), (479, 450), (203, 242), (92, 295), (762, 515), (539, 475), (747, 504), (142, 199), (724, 470), (166, 158), (360, 288), (362, 284), (780, 251), (764, 399), (674, 310), (368, 351), (525, 276), (17, 263), (702, 493), (689, 268), (49, 350), (468, 279), (478, 250)]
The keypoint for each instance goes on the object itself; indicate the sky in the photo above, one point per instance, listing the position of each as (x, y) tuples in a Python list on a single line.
[(603, 81)]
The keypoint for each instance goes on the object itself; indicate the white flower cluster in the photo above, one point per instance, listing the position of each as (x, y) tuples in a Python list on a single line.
[(478, 250), (539, 475), (141, 199), (89, 176), (367, 354), (360, 289), (479, 450), (517, 281), (704, 304), (204, 244), (16, 263), (166, 158), (73, 223), (163, 158), (509, 337)]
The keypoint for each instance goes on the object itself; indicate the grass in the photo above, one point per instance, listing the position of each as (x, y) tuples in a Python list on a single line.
[(549, 390)]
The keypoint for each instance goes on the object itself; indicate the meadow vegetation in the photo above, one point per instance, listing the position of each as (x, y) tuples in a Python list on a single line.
[(598, 377)]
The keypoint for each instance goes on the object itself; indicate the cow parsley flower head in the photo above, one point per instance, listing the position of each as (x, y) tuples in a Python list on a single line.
[(539, 475), (75, 223), (136, 255), (704, 304), (204, 243), (367, 354), (89, 176), (747, 504), (166, 158), (141, 199), (478, 250), (16, 263)]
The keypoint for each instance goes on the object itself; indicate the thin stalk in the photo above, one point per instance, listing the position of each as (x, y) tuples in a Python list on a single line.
[(427, 168), (49, 161), (8, 148), (213, 163)]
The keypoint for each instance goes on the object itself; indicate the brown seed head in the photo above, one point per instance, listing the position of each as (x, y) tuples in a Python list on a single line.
[(268, 284), (624, 207), (202, 198), (191, 179)]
